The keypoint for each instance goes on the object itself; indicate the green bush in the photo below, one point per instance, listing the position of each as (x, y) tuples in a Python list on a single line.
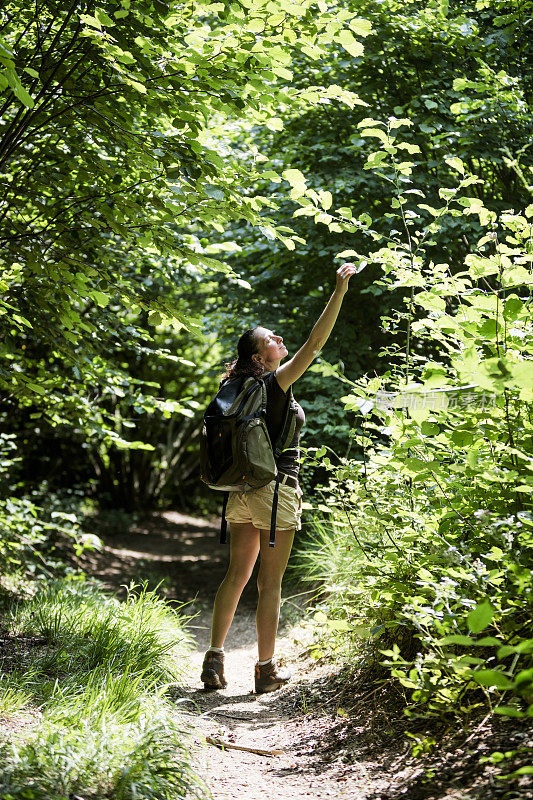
[(431, 556), (38, 527)]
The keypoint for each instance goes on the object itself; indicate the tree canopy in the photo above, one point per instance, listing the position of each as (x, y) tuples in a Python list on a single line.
[(112, 158)]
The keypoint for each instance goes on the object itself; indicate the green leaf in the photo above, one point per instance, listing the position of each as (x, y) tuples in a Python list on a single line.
[(431, 210), (400, 123), (456, 163), (24, 97), (282, 72), (272, 176), (379, 134), (92, 21), (416, 464), (274, 124), (456, 638), (350, 43), (362, 27), (36, 388), (369, 122), (279, 54), (243, 283), (154, 318), (326, 199), (103, 18), (339, 625), (256, 25), (512, 308), (524, 677), (527, 770), (480, 617), (137, 85), (523, 378), (123, 444), (223, 247), (305, 211), (22, 320), (100, 298), (488, 641), (295, 178), (509, 711), (491, 677)]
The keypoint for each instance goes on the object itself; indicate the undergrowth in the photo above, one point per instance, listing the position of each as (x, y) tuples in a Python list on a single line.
[(90, 673), (424, 544)]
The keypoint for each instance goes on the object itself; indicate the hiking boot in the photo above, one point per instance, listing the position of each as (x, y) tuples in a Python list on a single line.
[(213, 671), (268, 677)]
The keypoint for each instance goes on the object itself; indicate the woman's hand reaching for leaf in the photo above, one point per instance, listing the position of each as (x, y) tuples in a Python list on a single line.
[(344, 273)]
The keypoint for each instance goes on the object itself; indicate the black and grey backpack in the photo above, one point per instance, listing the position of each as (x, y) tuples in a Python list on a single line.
[(236, 453)]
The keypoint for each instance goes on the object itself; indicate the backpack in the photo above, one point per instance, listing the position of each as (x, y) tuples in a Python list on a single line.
[(236, 453)]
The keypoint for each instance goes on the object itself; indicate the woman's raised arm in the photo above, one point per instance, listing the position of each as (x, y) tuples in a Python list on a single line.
[(293, 369)]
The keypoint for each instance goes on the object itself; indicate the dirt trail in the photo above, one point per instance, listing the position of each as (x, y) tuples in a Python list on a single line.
[(184, 552)]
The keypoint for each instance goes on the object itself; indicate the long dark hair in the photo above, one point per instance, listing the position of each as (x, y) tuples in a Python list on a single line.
[(244, 364)]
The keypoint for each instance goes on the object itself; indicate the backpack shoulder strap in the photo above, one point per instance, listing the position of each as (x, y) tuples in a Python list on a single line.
[(287, 429)]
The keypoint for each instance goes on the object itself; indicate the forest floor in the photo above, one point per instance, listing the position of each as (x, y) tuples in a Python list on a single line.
[(322, 735)]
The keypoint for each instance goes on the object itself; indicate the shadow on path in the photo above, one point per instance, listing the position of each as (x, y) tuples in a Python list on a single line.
[(182, 551)]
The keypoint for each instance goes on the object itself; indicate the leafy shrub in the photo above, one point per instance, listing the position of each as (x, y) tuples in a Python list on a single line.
[(433, 543), (37, 526)]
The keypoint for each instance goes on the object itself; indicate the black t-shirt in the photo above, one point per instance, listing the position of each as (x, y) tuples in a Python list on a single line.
[(275, 412)]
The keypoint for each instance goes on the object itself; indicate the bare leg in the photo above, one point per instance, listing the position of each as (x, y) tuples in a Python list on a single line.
[(272, 566), (244, 547)]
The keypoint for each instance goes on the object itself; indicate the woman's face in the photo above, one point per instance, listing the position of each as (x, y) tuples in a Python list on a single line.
[(270, 347)]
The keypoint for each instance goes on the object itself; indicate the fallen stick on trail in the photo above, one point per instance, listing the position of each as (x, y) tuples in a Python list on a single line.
[(229, 746), (244, 718)]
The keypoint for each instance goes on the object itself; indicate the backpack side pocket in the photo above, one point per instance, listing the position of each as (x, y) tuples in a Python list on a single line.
[(255, 452), (217, 447)]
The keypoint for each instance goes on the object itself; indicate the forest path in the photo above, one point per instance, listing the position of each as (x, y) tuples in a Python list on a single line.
[(313, 762)]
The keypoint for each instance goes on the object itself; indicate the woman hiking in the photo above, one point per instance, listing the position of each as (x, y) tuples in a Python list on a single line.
[(260, 352)]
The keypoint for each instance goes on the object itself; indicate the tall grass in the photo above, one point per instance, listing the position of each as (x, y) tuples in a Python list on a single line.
[(85, 630), (145, 759), (97, 669), (349, 616)]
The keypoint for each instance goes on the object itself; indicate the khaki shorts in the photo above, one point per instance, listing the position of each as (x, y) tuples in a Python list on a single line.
[(255, 506)]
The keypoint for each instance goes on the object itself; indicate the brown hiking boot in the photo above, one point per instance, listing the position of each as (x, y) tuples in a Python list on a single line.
[(213, 671), (268, 677)]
